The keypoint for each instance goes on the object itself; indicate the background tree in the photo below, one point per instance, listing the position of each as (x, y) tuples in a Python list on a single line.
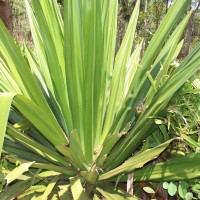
[(151, 14), (190, 32), (6, 14)]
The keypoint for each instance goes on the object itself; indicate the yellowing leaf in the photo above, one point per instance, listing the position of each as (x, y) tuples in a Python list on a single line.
[(15, 173)]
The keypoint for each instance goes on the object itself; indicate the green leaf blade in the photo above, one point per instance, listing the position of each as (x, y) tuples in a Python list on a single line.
[(5, 105)]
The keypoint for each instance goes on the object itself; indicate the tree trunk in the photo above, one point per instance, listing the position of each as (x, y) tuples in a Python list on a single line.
[(190, 29), (189, 35), (167, 4), (6, 14)]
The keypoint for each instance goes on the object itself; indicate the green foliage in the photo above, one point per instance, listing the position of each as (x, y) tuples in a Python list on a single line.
[(183, 117), (171, 188), (182, 188), (149, 190), (80, 111)]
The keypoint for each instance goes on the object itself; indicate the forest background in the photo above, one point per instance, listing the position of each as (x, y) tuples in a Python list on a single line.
[(185, 114), (13, 13)]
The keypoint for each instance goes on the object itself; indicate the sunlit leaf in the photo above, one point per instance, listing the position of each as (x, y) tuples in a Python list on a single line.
[(182, 189), (5, 104), (148, 190), (172, 188), (13, 175)]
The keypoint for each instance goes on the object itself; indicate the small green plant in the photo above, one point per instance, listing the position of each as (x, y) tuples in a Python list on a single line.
[(75, 116), (185, 190), (183, 118)]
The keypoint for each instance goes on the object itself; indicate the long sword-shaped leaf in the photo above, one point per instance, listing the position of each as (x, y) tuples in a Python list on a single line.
[(104, 65), (137, 161), (65, 192), (19, 68), (13, 150), (74, 160), (76, 148), (16, 117), (41, 120), (163, 62), (74, 62), (21, 72), (183, 168), (56, 67), (112, 193), (55, 24), (7, 79), (35, 69), (159, 38), (142, 129), (50, 187), (16, 189), (55, 168), (36, 147), (130, 102), (5, 104), (120, 70), (31, 190), (18, 171), (77, 189), (40, 50), (89, 58)]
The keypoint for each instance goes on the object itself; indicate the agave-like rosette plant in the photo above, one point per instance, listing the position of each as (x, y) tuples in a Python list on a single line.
[(73, 113)]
